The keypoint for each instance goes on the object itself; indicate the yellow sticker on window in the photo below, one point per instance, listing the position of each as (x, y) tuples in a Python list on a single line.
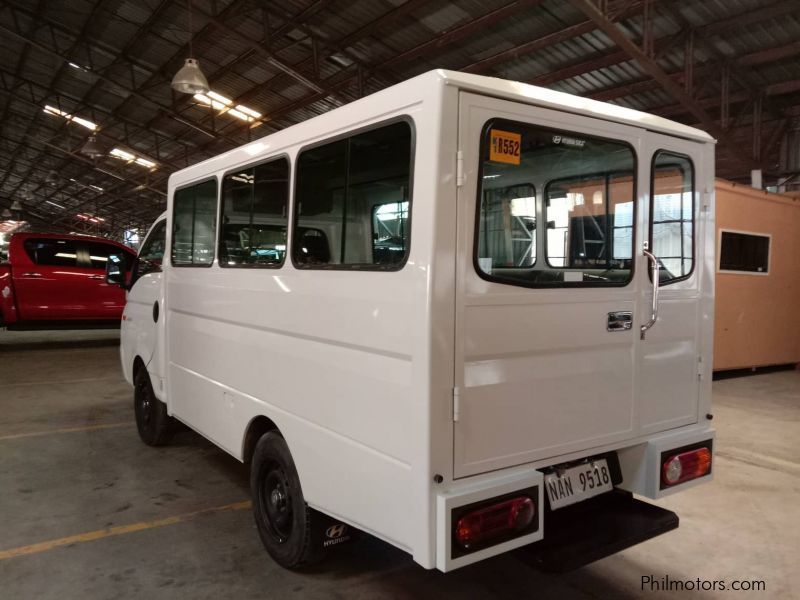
[(504, 146)]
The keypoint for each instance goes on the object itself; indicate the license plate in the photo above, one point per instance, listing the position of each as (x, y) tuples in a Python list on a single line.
[(577, 483)]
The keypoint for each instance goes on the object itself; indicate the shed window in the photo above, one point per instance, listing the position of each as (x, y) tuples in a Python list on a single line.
[(745, 252)]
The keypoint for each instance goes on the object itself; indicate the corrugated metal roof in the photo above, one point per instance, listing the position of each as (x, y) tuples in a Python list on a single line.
[(129, 50)]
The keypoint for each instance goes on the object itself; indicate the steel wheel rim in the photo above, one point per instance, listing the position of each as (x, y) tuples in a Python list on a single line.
[(146, 405), (276, 503)]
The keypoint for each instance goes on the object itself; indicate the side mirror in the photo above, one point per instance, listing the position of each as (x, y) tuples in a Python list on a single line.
[(116, 270)]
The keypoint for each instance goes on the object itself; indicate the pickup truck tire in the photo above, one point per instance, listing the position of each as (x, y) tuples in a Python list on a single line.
[(154, 424), (284, 520)]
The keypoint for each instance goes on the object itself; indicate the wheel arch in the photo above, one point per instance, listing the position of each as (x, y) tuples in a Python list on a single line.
[(257, 427), (138, 364)]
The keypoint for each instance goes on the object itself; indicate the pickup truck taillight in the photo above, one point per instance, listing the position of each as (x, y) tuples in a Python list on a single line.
[(494, 522), (685, 466)]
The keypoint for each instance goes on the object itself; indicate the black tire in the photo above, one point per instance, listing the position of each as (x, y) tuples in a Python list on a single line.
[(154, 424), (283, 518)]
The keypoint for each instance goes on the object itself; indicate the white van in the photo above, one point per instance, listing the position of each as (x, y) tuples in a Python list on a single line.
[(431, 315)]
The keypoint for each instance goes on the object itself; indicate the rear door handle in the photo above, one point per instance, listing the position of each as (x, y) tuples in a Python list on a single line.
[(621, 320), (31, 274)]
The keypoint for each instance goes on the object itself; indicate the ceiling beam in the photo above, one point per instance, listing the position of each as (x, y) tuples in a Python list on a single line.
[(753, 59), (459, 32), (746, 19), (649, 66), (485, 64)]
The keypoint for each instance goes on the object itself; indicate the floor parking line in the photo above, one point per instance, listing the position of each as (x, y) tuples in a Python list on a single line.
[(99, 534), (66, 381), (15, 436)]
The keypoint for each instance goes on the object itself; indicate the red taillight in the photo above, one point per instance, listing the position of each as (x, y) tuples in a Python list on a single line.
[(685, 466), (494, 521)]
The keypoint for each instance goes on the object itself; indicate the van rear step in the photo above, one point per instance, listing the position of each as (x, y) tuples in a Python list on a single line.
[(577, 535)]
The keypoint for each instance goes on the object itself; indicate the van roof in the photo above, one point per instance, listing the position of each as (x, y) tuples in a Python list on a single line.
[(480, 84), (533, 94)]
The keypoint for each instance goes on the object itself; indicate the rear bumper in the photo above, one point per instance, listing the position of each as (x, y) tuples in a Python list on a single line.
[(641, 464), (488, 487), (576, 535), (593, 529)]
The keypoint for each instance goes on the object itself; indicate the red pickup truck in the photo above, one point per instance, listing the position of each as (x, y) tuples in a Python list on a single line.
[(58, 281)]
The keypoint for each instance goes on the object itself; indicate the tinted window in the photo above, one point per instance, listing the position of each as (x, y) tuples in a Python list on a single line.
[(98, 253), (51, 252), (193, 224), (743, 252), (672, 215), (254, 219), (356, 192), (151, 255), (583, 224)]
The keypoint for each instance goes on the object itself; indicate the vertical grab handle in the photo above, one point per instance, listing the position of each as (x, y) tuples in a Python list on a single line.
[(654, 275)]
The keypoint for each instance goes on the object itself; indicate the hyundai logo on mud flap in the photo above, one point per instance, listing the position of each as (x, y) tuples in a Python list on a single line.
[(336, 535), (336, 531)]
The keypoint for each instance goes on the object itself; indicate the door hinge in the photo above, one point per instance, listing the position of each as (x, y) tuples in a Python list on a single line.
[(706, 200), (456, 403), (700, 367), (459, 168)]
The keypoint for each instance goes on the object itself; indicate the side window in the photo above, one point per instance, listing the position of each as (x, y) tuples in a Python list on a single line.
[(253, 222), (672, 206), (52, 252), (151, 255), (584, 223), (97, 254), (353, 201), (193, 225)]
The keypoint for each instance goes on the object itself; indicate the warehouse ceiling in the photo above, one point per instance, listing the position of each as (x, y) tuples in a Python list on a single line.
[(75, 68)]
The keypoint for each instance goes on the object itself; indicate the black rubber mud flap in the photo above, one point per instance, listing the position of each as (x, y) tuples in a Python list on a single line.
[(328, 533), (577, 535)]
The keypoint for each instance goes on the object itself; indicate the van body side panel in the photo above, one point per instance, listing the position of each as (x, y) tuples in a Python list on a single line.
[(336, 358)]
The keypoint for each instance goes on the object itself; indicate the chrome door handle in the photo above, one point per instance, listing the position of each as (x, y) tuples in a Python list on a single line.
[(31, 274), (654, 275), (621, 320)]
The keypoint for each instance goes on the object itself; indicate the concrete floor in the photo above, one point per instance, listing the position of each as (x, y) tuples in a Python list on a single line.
[(71, 464)]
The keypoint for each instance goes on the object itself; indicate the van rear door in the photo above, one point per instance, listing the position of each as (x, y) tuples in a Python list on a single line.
[(552, 287), (677, 213)]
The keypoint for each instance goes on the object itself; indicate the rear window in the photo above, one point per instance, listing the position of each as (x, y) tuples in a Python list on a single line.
[(52, 252), (555, 208)]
